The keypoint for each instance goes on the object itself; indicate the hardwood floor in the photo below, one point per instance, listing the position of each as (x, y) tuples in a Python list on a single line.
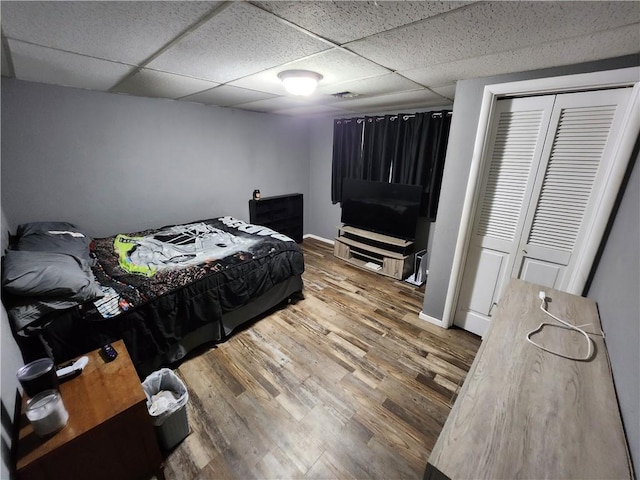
[(347, 383)]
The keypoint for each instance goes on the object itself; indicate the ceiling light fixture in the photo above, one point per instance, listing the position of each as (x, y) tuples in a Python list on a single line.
[(300, 82)]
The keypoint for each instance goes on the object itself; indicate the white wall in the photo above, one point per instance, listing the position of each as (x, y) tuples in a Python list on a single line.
[(114, 163)]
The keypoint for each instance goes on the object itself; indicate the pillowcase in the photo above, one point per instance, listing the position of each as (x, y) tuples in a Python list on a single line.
[(49, 274), (56, 243), (35, 227), (58, 237)]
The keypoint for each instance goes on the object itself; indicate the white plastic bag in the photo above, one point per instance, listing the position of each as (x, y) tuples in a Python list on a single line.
[(159, 403)]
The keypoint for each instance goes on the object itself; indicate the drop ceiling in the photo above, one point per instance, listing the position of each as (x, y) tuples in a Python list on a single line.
[(385, 54)]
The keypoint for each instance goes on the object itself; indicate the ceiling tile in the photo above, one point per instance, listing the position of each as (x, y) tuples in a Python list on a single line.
[(344, 21), (312, 110), (46, 65), (338, 65), (377, 85), (335, 65), (226, 96), (490, 27), (150, 83), (608, 44), (239, 41), (397, 101), (448, 91), (273, 104), (244, 45), (128, 32)]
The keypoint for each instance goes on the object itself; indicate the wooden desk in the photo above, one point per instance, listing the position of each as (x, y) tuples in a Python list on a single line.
[(109, 434), (526, 413)]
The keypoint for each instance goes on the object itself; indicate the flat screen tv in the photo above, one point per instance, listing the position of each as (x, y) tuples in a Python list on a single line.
[(388, 208)]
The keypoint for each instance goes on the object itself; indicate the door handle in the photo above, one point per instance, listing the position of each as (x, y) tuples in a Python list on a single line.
[(524, 251), (494, 304)]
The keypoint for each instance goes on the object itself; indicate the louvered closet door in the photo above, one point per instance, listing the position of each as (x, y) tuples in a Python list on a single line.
[(546, 160), (583, 129), (517, 137)]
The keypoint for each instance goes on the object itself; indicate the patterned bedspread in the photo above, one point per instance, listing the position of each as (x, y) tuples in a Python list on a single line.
[(135, 268)]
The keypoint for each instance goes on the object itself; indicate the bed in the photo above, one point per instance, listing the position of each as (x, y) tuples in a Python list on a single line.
[(164, 291)]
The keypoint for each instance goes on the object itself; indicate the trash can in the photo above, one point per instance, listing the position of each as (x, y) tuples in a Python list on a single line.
[(167, 398)]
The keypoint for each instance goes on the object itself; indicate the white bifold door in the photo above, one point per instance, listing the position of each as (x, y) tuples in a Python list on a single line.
[(543, 177)]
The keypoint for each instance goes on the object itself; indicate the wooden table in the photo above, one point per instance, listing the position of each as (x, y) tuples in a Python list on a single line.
[(526, 413), (109, 434)]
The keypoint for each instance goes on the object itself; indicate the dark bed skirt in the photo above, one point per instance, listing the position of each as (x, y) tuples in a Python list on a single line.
[(72, 335), (231, 320)]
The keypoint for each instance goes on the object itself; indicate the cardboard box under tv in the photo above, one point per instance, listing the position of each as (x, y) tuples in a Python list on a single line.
[(372, 251)]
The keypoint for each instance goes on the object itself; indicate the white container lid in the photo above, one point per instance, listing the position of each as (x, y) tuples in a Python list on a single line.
[(46, 412)]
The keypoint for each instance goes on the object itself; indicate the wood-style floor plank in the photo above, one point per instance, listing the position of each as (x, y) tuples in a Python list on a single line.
[(347, 383)]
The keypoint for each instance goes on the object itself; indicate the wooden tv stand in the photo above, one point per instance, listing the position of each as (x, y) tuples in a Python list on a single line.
[(375, 252)]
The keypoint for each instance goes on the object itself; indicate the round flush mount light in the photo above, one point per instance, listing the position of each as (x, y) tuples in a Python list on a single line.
[(300, 82)]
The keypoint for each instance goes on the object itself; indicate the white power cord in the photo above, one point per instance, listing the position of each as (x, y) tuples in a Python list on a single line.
[(566, 326)]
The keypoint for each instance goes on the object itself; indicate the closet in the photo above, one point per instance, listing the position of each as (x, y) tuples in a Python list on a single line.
[(547, 160)]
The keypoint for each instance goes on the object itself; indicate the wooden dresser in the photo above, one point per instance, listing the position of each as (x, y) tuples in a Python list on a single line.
[(526, 413)]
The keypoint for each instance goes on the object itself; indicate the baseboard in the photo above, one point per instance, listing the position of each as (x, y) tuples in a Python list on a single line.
[(435, 321), (316, 237), (474, 324)]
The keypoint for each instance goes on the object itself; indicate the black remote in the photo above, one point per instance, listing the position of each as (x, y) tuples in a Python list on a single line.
[(108, 353)]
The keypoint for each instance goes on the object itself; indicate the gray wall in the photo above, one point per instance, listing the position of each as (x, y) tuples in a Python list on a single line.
[(10, 363), (324, 217), (615, 285), (616, 289), (114, 163), (466, 112)]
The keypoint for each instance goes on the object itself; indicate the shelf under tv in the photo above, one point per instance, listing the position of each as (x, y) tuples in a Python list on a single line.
[(372, 251)]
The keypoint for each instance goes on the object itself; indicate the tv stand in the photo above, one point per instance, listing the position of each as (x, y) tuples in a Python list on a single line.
[(375, 252)]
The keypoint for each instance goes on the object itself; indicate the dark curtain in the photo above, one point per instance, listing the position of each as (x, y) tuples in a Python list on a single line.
[(403, 148), (347, 154), (379, 147), (423, 145)]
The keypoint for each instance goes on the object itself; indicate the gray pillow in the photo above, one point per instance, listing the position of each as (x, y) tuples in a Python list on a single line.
[(35, 227), (57, 243), (48, 274)]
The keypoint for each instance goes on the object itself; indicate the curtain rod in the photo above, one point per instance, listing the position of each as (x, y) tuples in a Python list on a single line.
[(394, 117)]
